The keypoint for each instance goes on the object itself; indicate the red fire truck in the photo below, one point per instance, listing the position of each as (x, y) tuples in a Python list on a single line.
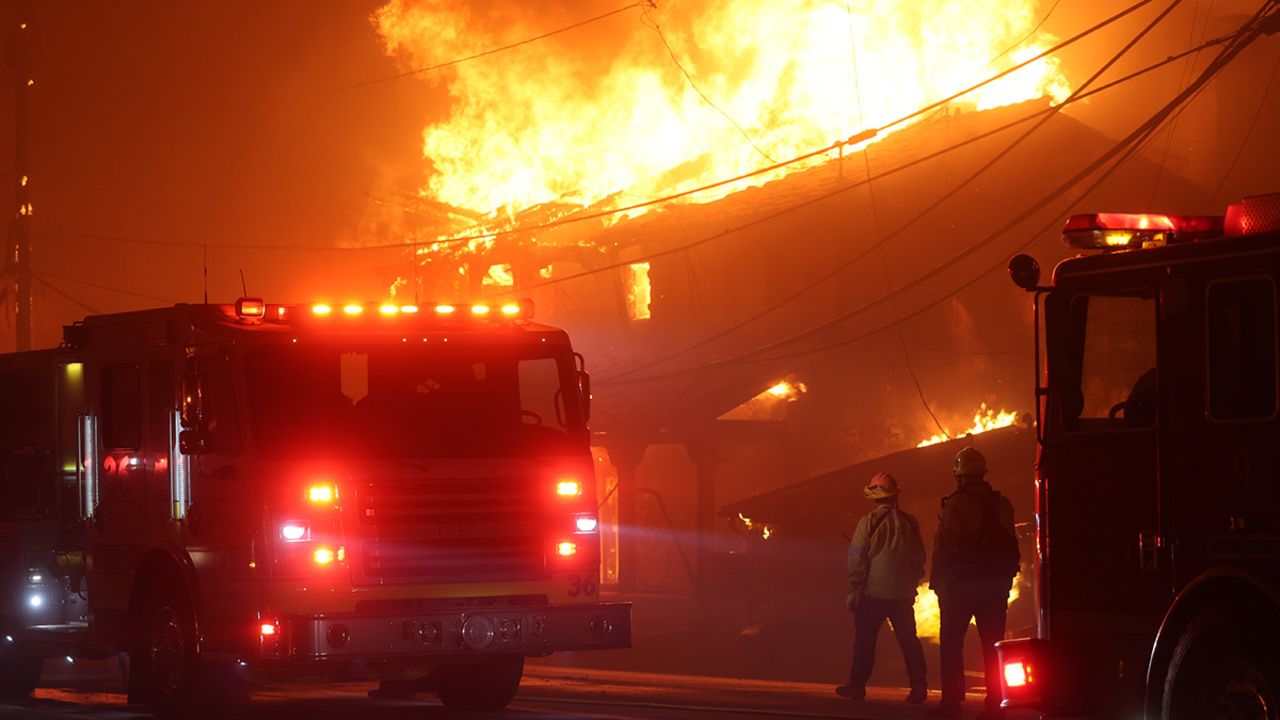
[(232, 493), (1158, 476)]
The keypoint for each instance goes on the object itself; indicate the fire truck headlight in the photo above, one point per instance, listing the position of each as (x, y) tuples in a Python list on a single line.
[(586, 523), (35, 601), (295, 532)]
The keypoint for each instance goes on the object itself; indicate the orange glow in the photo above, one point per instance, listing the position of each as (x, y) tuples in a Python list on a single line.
[(568, 488), (928, 616), (445, 309), (321, 309), (793, 77), (1016, 674), (511, 309), (352, 309), (565, 549), (389, 309), (323, 556), (267, 629), (479, 309), (325, 493)]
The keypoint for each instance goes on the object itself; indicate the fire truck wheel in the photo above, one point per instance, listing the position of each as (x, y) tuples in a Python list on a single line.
[(162, 656), (20, 668), (1222, 670), (488, 685)]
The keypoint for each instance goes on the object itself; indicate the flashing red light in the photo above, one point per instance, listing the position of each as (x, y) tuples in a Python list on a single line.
[(511, 309), (1253, 215), (321, 309), (566, 549), (250, 308), (408, 309), (267, 629), (352, 309), (445, 309), (480, 310), (568, 487), (389, 309), (1016, 674), (323, 556)]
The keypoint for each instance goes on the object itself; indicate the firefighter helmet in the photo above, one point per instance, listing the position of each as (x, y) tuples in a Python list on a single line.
[(882, 487), (970, 462)]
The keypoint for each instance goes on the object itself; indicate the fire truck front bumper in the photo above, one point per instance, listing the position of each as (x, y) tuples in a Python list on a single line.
[(538, 630)]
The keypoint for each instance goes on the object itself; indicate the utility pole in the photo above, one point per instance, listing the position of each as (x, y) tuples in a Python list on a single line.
[(23, 87)]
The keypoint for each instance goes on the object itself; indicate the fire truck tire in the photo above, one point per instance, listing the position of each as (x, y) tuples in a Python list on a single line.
[(1222, 669), (20, 668), (162, 661), (488, 685)]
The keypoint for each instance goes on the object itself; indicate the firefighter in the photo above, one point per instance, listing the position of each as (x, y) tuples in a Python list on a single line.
[(975, 558), (886, 564)]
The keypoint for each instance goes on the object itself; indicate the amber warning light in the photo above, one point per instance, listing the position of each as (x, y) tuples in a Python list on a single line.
[(1127, 231)]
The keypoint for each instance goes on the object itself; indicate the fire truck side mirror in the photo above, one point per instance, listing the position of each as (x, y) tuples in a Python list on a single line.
[(584, 388), (193, 442), (1025, 272)]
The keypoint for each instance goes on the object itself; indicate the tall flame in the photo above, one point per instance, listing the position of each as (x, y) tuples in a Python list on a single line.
[(669, 97), (929, 618)]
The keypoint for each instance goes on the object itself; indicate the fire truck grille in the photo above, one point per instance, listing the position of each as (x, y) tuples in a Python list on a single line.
[(452, 530)]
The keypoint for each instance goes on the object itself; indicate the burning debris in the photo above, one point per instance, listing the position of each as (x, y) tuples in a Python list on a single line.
[(929, 618), (984, 419), (765, 531)]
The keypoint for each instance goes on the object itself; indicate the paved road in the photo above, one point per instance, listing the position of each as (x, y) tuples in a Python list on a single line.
[(92, 690)]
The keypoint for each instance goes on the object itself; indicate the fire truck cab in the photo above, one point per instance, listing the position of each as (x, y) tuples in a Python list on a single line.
[(1158, 473), (391, 492)]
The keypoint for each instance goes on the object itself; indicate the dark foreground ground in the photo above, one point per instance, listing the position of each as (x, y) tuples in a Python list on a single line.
[(92, 690)]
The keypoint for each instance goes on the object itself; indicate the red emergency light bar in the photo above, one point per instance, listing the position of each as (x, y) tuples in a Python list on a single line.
[(256, 310), (1127, 231)]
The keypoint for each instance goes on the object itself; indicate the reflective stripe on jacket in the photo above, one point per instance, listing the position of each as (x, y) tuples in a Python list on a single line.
[(886, 555)]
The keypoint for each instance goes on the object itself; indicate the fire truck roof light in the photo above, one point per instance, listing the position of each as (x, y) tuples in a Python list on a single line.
[(389, 309), (249, 308), (352, 309), (408, 309), (445, 309), (1117, 231), (511, 309), (568, 488), (321, 309), (480, 309)]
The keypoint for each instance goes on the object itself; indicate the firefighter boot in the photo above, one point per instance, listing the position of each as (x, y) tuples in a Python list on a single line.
[(917, 696), (851, 692)]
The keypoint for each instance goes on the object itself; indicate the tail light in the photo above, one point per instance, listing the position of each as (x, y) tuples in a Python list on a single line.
[(567, 549), (322, 494), (568, 488), (1023, 673)]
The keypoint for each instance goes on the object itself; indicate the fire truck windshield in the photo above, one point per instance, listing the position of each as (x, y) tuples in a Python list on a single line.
[(413, 401)]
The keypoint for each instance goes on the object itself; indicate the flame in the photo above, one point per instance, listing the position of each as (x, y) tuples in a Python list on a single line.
[(639, 291), (983, 420), (669, 97), (929, 619), (765, 531)]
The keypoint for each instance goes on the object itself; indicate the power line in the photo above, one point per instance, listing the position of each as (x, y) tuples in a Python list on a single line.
[(1243, 37), (1253, 125), (653, 24), (855, 139), (835, 271), (110, 288), (92, 310)]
